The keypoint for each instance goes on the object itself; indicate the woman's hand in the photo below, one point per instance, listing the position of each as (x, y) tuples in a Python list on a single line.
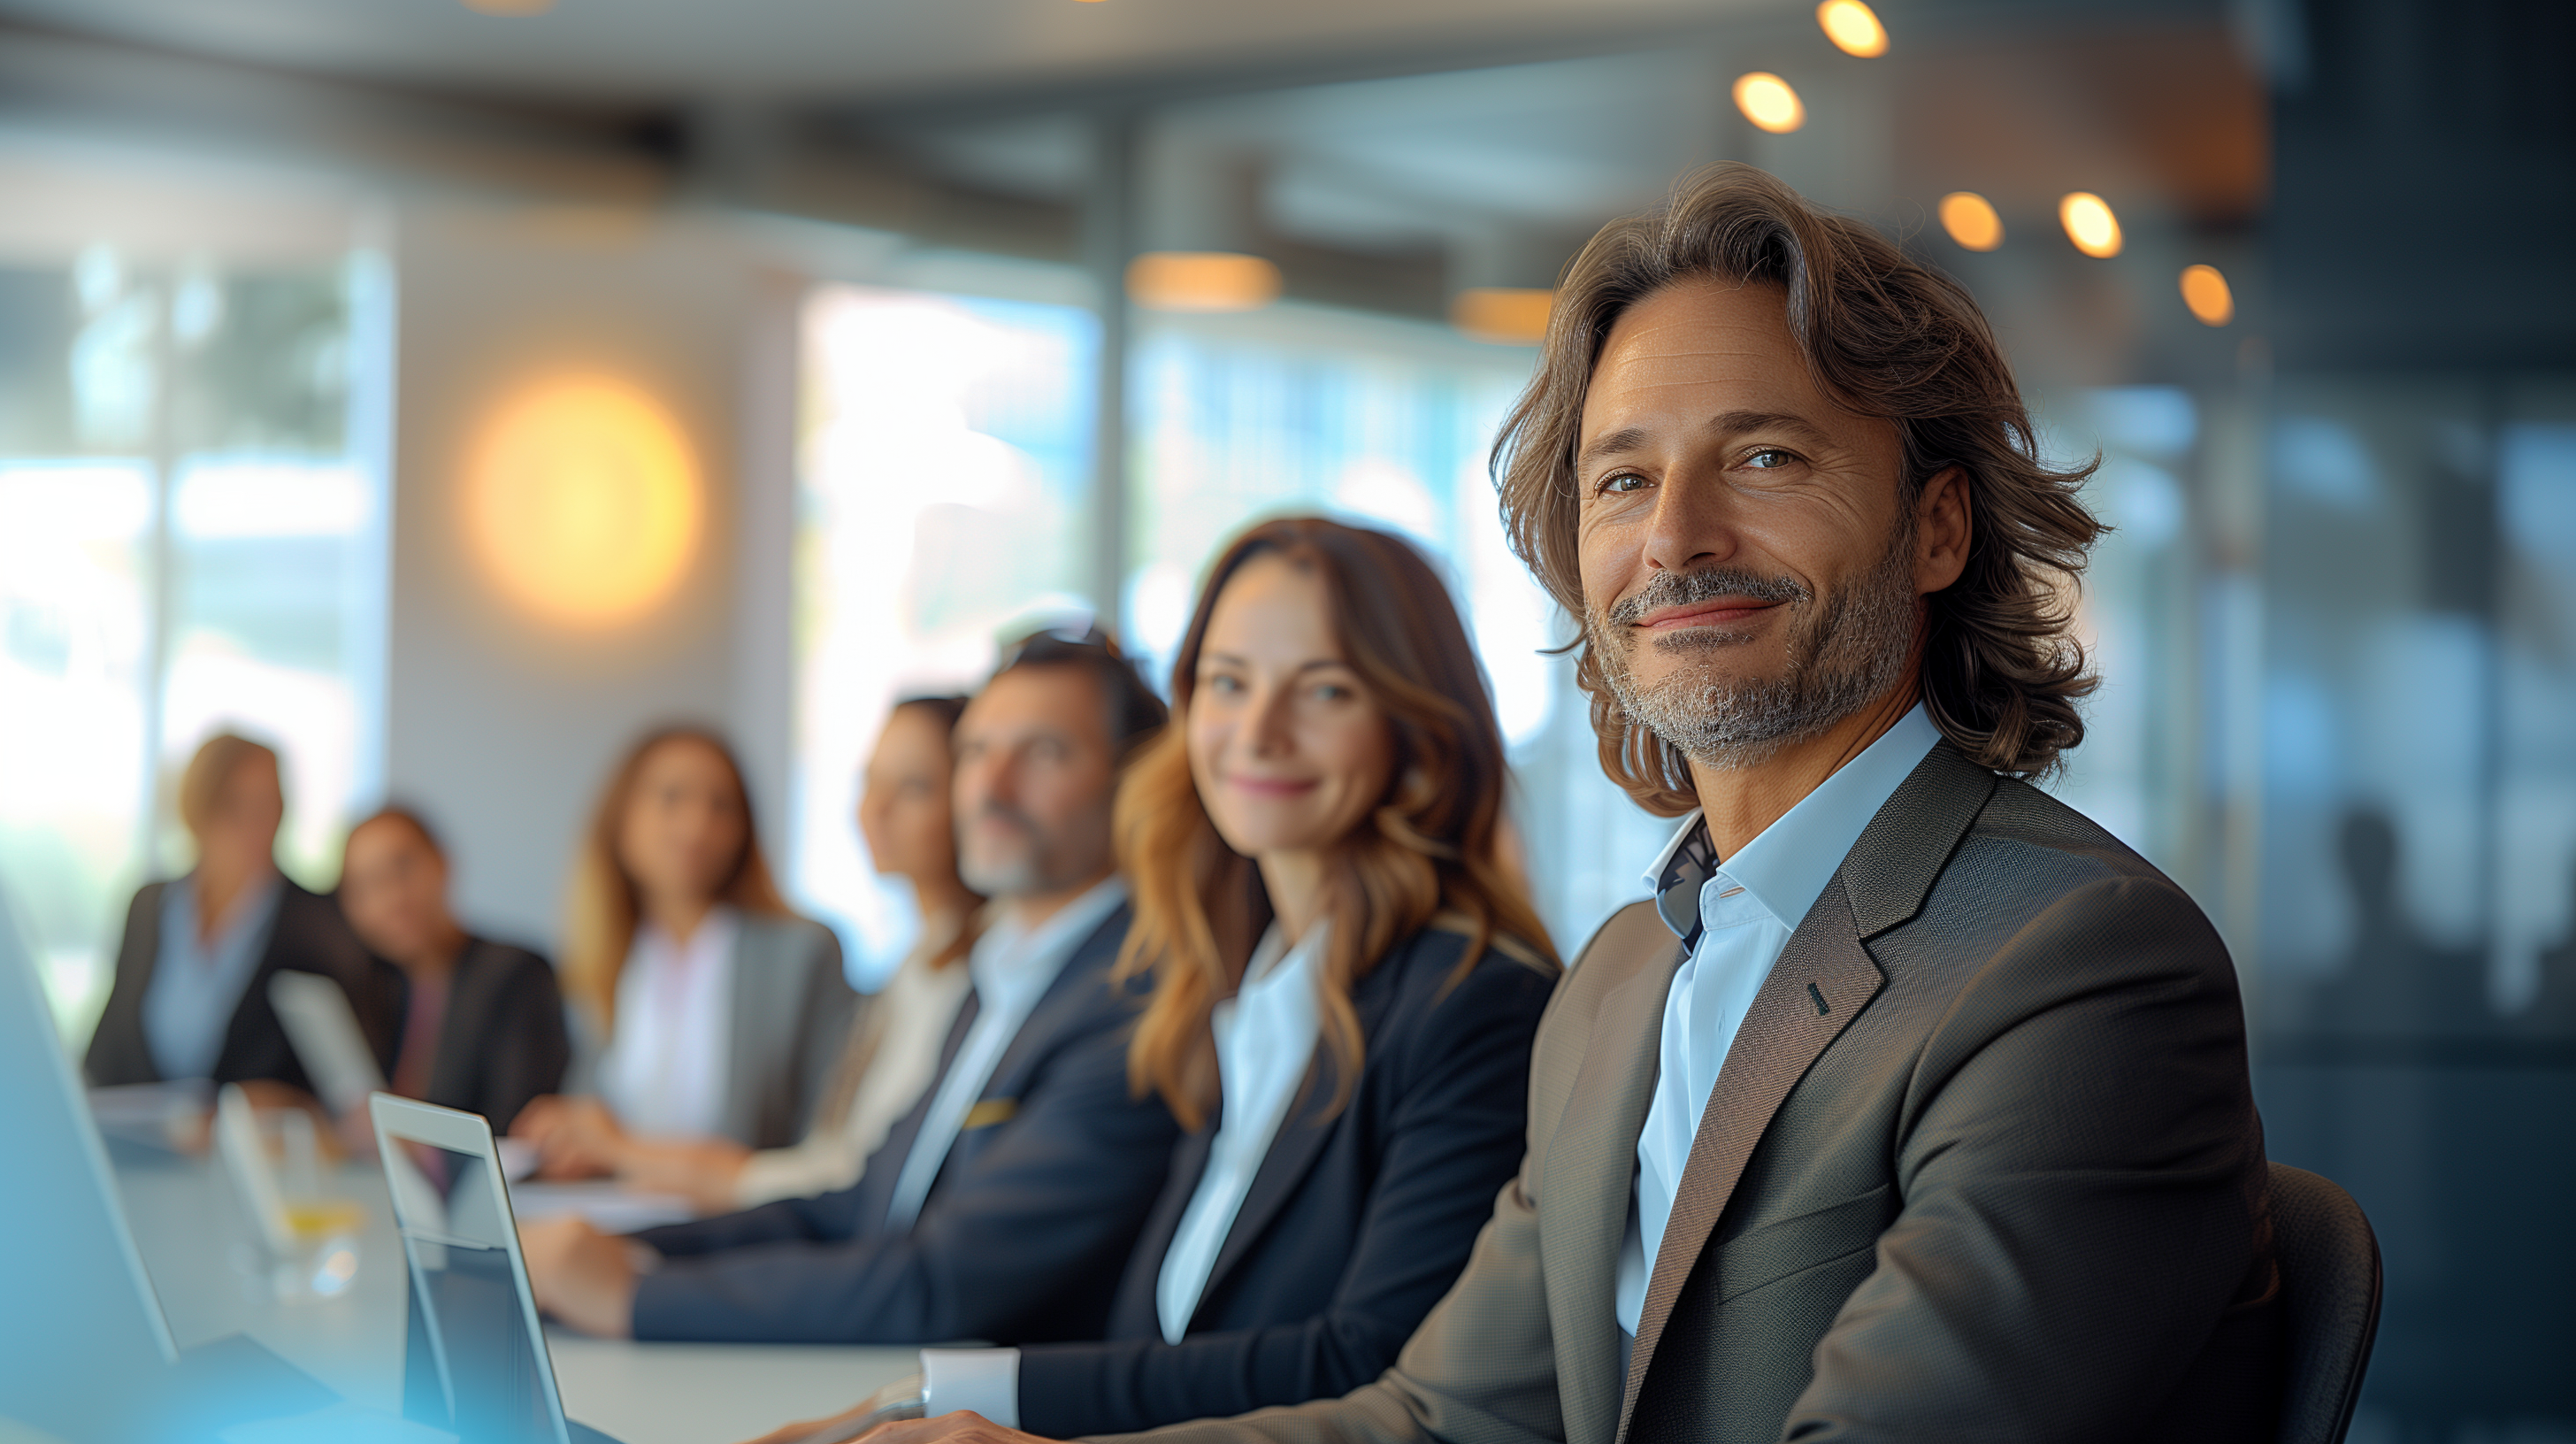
[(963, 1427), (702, 1170)]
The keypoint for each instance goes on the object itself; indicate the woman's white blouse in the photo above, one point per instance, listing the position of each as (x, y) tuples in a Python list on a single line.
[(669, 1063), (1265, 1037)]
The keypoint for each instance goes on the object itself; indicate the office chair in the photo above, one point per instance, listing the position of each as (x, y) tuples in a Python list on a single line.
[(2330, 1285)]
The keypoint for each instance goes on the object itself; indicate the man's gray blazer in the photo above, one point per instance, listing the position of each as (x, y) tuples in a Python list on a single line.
[(1983, 1164)]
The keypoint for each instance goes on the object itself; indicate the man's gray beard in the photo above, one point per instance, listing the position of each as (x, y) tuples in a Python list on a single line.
[(1840, 660), (1022, 872)]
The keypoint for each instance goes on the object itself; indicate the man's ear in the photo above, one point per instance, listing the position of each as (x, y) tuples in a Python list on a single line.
[(1943, 528)]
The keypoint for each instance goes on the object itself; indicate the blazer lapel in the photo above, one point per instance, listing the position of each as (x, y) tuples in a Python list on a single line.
[(1304, 1133), (1137, 1311), (1589, 1175), (1822, 980)]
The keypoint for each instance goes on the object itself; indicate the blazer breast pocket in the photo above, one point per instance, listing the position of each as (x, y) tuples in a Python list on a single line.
[(1776, 1250)]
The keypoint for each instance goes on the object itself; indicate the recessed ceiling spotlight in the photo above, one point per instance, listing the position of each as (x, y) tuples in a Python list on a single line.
[(1971, 220), (2205, 292), (1768, 102), (1853, 27), (2090, 224)]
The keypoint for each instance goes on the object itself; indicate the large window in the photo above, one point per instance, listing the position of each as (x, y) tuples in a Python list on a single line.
[(945, 453), (191, 539)]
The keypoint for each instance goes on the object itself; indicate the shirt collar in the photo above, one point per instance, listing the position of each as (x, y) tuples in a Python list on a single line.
[(1786, 867), (1009, 961)]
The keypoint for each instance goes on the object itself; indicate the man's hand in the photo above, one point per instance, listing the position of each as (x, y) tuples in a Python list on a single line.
[(575, 1136), (581, 1276), (963, 1427)]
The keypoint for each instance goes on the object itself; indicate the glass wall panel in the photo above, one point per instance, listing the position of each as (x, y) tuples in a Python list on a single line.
[(945, 456), (191, 538), (2418, 1039)]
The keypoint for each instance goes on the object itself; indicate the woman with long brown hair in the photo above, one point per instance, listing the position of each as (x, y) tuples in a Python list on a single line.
[(1346, 980), (717, 1011), (894, 1043)]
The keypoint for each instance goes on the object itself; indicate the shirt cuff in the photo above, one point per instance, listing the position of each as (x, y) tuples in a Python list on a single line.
[(984, 1380)]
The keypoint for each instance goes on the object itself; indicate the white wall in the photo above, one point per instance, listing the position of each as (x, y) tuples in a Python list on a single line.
[(501, 726)]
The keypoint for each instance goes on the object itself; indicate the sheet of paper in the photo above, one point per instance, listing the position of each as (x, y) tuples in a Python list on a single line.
[(610, 1207)]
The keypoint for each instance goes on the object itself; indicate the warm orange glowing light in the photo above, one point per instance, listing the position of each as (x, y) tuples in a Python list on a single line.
[(582, 500), (2205, 292), (1505, 315), (2090, 224), (1853, 27), (1201, 281), (1971, 220), (1768, 102), (511, 7)]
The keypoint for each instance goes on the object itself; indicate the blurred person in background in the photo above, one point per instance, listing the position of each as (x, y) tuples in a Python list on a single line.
[(1004, 1204), (482, 1022), (1346, 983), (190, 998), (893, 1048), (722, 1012)]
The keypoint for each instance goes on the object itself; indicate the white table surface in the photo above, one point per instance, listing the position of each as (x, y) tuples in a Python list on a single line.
[(196, 1244)]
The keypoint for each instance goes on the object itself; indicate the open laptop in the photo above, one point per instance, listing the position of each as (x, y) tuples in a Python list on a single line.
[(85, 1351), (476, 1364)]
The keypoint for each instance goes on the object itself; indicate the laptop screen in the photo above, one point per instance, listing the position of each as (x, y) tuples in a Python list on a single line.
[(476, 1366)]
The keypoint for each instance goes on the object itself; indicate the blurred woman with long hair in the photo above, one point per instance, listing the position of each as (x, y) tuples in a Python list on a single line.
[(892, 1052), (1346, 982), (717, 1010)]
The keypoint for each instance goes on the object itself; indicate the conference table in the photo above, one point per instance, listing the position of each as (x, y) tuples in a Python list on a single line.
[(200, 1251)]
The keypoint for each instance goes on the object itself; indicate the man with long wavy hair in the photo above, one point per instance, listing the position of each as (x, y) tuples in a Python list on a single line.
[(1912, 1105)]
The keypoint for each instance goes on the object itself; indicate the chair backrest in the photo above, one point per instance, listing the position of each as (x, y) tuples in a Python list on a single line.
[(2330, 1285)]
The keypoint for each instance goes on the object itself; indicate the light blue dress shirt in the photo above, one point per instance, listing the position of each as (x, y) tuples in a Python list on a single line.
[(189, 1005), (1013, 968), (1736, 916)]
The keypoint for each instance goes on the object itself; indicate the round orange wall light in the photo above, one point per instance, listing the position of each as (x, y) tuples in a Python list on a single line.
[(582, 500)]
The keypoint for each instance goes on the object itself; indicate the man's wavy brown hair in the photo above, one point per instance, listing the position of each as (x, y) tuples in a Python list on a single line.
[(1884, 336), (1428, 855)]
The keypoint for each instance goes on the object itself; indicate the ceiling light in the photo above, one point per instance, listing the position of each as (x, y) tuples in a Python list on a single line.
[(1504, 315), (1768, 102), (2205, 292), (1853, 27), (582, 501), (2090, 224), (1971, 220), (1201, 281), (511, 7)]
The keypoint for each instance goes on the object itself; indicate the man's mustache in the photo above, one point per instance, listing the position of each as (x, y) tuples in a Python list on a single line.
[(1681, 589), (1008, 815)]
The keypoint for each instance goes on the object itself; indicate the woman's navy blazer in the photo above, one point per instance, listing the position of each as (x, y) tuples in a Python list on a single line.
[(1355, 1225)]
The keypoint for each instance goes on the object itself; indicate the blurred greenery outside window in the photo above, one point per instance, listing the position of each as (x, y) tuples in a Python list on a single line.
[(191, 539)]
